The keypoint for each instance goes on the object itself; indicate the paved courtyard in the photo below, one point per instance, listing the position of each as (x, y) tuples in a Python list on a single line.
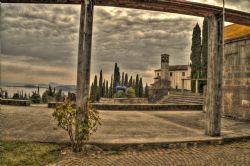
[(36, 123), (235, 154)]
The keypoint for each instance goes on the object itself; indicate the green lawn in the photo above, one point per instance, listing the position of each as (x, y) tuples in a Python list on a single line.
[(22, 153)]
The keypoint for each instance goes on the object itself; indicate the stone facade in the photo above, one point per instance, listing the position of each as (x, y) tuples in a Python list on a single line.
[(236, 78), (174, 75), (124, 101), (161, 81)]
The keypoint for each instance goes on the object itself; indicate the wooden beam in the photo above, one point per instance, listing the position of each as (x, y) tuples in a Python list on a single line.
[(214, 81), (172, 6), (83, 63)]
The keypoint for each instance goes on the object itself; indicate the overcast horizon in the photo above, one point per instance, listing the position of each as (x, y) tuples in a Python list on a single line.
[(39, 42)]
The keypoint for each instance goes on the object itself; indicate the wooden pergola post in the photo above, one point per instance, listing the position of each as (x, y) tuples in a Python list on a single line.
[(83, 63), (214, 81)]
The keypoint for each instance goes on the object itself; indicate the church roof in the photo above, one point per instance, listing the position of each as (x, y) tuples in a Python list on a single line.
[(236, 31), (176, 68)]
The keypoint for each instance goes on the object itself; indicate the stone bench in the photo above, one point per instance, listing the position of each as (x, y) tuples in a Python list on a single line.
[(15, 102)]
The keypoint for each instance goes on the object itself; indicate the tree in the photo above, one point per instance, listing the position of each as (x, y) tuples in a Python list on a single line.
[(107, 89), (140, 88), (130, 92), (58, 95), (196, 55), (146, 94), (130, 84), (126, 80), (66, 117), (111, 88), (100, 86), (92, 92), (35, 97), (122, 79), (204, 53), (45, 97), (16, 96), (95, 90), (137, 85), (116, 76), (104, 88), (6, 96)]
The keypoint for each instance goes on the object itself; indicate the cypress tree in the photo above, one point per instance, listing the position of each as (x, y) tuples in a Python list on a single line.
[(95, 89), (130, 84), (100, 85), (111, 88), (92, 92), (140, 88), (195, 55), (104, 88), (122, 79), (137, 85), (146, 91), (107, 89), (204, 53), (126, 80), (6, 95)]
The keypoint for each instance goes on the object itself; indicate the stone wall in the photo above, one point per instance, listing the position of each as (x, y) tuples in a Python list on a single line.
[(236, 79), (15, 102), (124, 100)]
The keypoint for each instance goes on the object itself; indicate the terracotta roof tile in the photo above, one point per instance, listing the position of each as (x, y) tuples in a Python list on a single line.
[(236, 31)]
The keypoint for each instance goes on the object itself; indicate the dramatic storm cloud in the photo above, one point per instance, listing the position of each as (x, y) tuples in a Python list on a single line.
[(39, 42)]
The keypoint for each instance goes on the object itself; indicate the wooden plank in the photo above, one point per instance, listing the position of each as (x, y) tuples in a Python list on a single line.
[(83, 63), (214, 81), (180, 7)]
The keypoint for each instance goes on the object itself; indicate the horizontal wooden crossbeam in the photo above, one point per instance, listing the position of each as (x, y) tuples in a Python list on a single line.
[(172, 6)]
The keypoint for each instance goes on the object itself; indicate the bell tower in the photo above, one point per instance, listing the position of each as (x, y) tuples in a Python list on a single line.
[(165, 67)]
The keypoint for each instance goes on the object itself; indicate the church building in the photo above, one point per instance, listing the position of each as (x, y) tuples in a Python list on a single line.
[(177, 75)]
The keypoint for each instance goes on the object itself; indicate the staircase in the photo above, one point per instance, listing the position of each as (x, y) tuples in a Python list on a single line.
[(186, 98)]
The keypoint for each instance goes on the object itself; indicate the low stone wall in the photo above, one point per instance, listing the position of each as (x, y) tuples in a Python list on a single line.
[(15, 102), (146, 107), (124, 100), (54, 104)]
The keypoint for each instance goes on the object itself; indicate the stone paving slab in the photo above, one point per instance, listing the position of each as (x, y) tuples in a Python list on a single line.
[(236, 154), (36, 123)]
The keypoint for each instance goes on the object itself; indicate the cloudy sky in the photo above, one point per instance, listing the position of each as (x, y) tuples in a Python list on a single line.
[(39, 42)]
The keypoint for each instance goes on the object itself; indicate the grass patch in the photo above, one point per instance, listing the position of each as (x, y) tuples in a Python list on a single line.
[(27, 153)]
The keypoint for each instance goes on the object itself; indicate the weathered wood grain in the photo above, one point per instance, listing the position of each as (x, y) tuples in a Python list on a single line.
[(214, 81), (180, 7), (84, 61)]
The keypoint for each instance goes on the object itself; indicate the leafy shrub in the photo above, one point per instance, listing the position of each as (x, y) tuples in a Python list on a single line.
[(119, 94), (66, 117), (130, 92)]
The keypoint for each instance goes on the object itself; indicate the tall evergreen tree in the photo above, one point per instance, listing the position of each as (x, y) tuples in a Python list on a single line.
[(196, 55), (146, 94), (104, 88), (204, 53), (92, 92), (116, 76), (126, 80), (130, 84), (107, 89), (140, 88), (137, 85), (122, 79), (100, 85), (95, 89), (111, 91)]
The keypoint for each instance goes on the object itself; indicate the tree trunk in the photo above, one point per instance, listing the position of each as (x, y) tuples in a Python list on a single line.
[(214, 81), (83, 69)]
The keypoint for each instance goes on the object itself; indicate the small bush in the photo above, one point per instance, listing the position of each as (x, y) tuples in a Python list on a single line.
[(119, 94), (66, 117), (130, 92)]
